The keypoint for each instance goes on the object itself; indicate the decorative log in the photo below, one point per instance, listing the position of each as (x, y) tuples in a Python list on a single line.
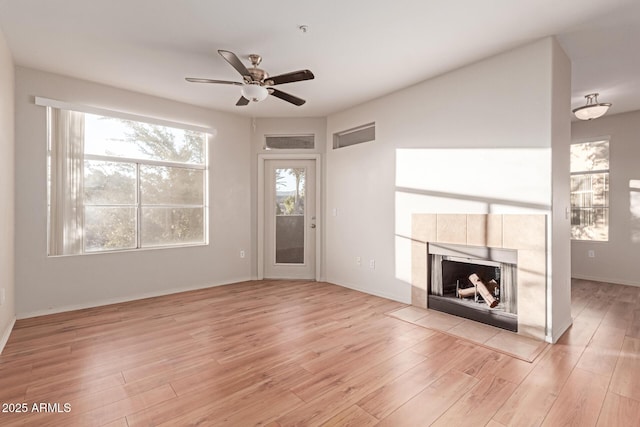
[(469, 292), (466, 292), (491, 286), (483, 291)]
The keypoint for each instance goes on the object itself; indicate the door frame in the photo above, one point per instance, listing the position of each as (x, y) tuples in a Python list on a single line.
[(262, 158)]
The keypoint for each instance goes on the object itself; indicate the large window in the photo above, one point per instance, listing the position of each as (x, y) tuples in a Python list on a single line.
[(590, 191), (117, 184)]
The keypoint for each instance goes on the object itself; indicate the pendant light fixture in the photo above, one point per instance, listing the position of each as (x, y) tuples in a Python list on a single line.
[(593, 109)]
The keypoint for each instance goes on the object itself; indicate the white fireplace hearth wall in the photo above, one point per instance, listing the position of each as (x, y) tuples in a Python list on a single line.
[(524, 234)]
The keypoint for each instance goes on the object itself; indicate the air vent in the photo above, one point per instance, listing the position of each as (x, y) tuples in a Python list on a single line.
[(358, 135), (289, 142)]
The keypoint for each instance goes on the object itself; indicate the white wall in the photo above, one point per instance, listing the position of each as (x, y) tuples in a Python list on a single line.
[(7, 192), (437, 150), (615, 261), (48, 284), (559, 297), (283, 126)]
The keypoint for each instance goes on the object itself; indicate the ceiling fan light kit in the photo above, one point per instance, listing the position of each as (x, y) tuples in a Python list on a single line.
[(257, 84), (593, 109), (254, 92)]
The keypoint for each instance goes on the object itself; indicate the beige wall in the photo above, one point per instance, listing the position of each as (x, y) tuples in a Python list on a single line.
[(439, 149), (616, 260), (7, 192), (47, 284)]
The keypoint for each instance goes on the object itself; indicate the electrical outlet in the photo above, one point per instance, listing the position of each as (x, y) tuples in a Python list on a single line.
[(372, 264), (358, 261), (241, 254), (334, 212), (2, 296), (591, 253)]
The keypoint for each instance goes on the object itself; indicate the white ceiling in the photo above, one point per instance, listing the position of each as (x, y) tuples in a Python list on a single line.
[(357, 49)]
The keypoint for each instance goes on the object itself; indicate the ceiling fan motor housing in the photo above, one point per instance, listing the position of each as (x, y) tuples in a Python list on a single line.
[(257, 74)]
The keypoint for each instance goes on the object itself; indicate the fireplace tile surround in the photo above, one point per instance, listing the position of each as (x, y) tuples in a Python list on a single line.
[(524, 233)]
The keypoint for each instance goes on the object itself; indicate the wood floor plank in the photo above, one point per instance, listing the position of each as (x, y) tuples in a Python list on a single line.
[(345, 370), (386, 399), (353, 416), (281, 353), (554, 368), (601, 354), (619, 411), (579, 401), (626, 377), (479, 404), (344, 395), (121, 422), (428, 405), (526, 407), (74, 386)]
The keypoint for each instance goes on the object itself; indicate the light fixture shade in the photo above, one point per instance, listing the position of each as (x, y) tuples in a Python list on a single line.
[(254, 92), (593, 109)]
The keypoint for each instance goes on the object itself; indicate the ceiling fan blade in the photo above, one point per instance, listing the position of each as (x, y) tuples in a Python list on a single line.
[(295, 76), (286, 97), (235, 62), (242, 101), (224, 82)]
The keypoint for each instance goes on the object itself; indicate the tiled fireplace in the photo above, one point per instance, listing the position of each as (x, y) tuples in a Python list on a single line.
[(516, 242)]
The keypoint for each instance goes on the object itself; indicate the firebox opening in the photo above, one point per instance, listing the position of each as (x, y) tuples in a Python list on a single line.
[(481, 289), (455, 278)]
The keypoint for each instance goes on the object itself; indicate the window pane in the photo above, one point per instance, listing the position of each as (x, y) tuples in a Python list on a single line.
[(290, 186), (590, 223), (109, 183), (590, 190), (161, 185), (289, 142), (109, 228), (590, 156), (125, 138), (165, 226)]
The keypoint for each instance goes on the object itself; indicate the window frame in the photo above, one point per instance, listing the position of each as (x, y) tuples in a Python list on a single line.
[(607, 172), (138, 205), (208, 134)]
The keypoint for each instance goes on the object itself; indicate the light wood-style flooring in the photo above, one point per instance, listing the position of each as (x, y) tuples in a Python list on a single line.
[(284, 353)]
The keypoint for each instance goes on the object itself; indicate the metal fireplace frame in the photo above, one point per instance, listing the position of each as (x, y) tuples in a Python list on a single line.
[(468, 309)]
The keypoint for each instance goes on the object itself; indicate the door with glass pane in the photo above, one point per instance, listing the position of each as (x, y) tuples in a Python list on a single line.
[(290, 222)]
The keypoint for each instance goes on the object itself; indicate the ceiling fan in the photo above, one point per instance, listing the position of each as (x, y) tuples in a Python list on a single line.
[(257, 83)]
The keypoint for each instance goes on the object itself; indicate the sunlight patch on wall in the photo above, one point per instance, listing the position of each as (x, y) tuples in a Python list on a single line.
[(480, 181), (634, 208), (522, 176)]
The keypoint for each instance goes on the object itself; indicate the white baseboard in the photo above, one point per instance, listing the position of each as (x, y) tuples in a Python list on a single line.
[(5, 334), (109, 301), (605, 280)]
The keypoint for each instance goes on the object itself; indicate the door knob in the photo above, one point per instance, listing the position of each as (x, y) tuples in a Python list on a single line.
[(313, 226)]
